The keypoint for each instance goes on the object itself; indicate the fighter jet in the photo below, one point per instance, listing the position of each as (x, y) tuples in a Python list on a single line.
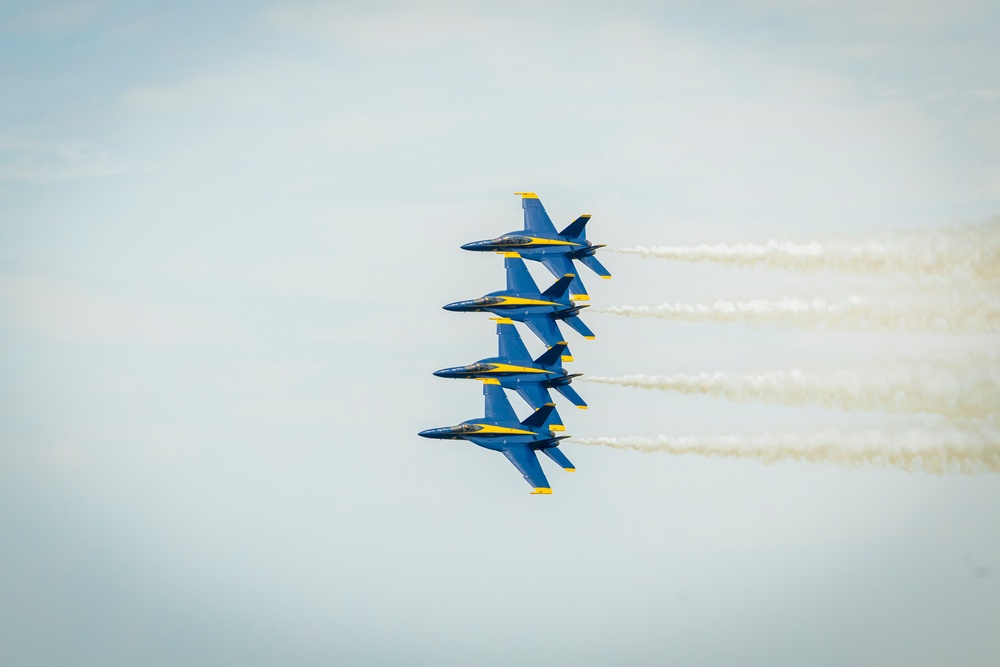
[(519, 441), (523, 302), (514, 369), (540, 242)]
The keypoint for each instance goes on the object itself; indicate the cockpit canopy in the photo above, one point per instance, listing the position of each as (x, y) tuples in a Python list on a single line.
[(511, 240), (467, 428), (486, 301), (479, 368)]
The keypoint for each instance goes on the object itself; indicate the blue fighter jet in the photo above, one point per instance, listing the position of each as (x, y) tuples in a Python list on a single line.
[(514, 369), (540, 242), (523, 302), (519, 441)]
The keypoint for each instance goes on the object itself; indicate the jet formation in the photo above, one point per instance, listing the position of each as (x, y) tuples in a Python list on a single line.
[(513, 367)]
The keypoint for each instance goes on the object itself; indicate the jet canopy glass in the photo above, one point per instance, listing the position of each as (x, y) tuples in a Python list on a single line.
[(467, 428), (486, 301), (511, 240), (479, 368)]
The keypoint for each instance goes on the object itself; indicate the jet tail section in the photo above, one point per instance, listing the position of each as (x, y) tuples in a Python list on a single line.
[(591, 263), (571, 395), (553, 355), (539, 417), (577, 228), (581, 328), (560, 287), (561, 460)]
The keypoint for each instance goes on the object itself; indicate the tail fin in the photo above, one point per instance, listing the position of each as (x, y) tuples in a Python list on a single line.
[(560, 287), (556, 455), (539, 417), (577, 228), (581, 328), (591, 263), (573, 397), (553, 355)]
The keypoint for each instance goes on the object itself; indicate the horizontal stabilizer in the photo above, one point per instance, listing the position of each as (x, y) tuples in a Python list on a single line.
[(581, 328), (571, 395), (591, 263), (576, 228), (553, 355), (560, 287), (556, 455), (538, 418)]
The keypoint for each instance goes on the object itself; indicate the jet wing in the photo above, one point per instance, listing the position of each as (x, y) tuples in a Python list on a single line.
[(497, 405), (535, 217), (518, 278), (546, 329), (526, 462), (511, 345), (535, 394), (559, 266)]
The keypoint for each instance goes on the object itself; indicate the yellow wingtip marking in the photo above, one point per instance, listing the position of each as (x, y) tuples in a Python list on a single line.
[(527, 195), (541, 491), (585, 215), (606, 277), (569, 275), (570, 469), (582, 407)]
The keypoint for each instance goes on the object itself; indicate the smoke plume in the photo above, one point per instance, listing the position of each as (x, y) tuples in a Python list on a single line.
[(950, 449), (953, 389), (960, 250), (955, 313)]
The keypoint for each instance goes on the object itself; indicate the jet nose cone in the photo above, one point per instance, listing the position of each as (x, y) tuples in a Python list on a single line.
[(427, 433), (474, 245), (443, 373), (453, 307)]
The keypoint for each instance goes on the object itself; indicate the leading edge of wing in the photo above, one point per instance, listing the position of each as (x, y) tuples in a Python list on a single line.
[(526, 462)]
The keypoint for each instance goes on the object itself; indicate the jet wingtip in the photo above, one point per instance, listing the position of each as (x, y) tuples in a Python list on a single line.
[(541, 491), (570, 469)]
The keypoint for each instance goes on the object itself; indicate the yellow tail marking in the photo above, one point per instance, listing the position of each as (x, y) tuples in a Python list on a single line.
[(527, 195), (566, 357), (541, 491), (557, 427), (580, 297)]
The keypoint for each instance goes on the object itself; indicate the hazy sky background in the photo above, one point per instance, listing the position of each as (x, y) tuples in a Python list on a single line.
[(226, 233)]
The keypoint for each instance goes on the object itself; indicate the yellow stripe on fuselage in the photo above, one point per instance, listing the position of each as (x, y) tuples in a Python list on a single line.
[(501, 430), (537, 241), (511, 368), (521, 301)]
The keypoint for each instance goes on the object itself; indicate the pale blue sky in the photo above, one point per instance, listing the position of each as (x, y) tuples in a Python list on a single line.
[(226, 233)]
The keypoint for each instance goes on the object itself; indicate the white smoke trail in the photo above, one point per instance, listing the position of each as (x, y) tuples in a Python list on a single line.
[(970, 250), (959, 390), (945, 450), (957, 313)]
